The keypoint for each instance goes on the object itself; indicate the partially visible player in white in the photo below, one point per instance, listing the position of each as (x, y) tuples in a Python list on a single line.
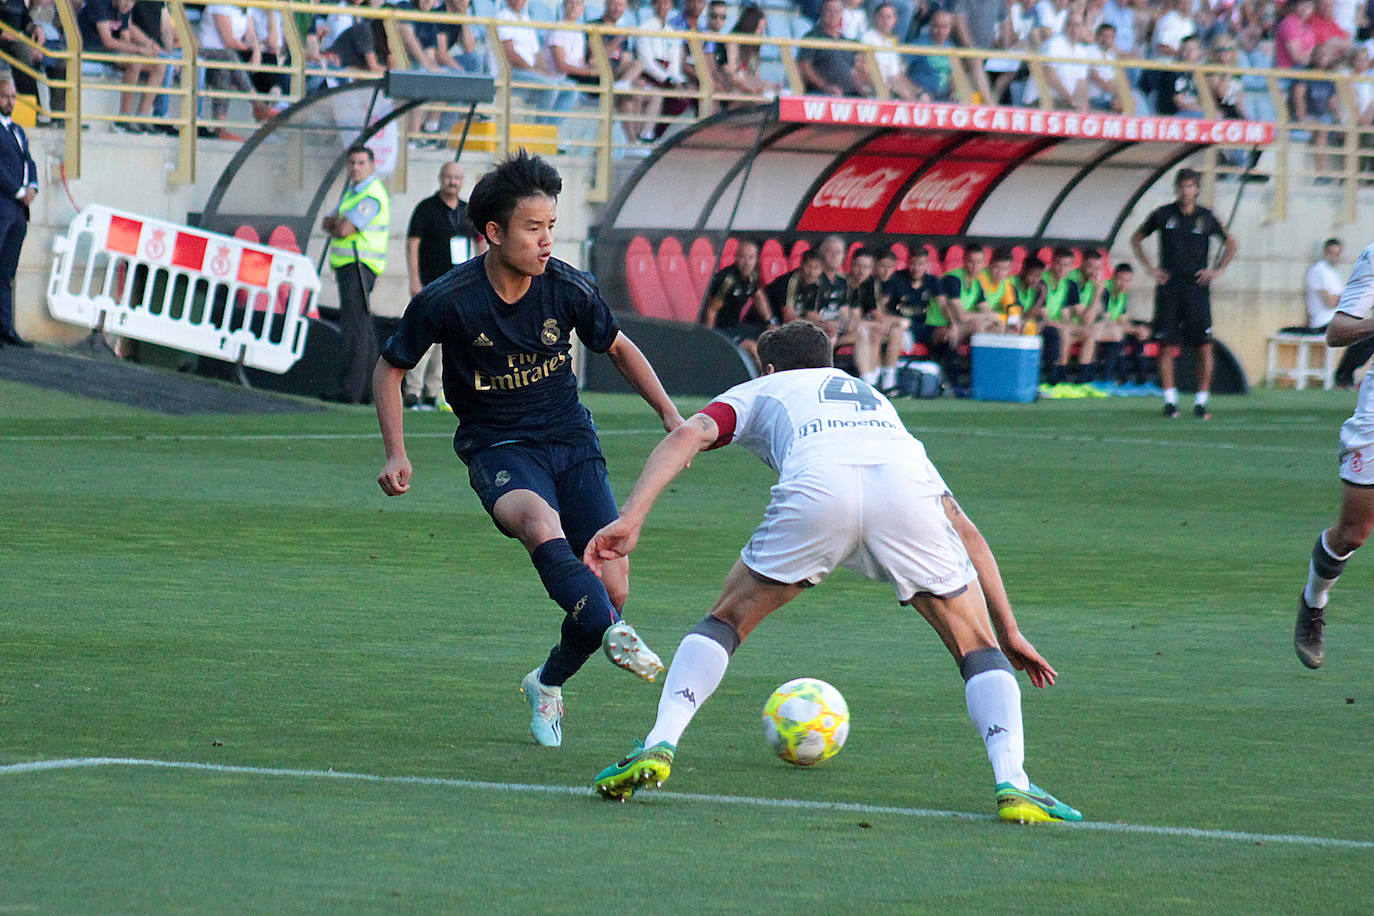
[(854, 489), (1352, 323)]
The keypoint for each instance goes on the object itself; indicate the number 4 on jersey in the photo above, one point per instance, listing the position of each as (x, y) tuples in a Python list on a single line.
[(847, 388)]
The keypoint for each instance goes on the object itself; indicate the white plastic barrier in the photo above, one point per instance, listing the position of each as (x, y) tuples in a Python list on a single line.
[(168, 284)]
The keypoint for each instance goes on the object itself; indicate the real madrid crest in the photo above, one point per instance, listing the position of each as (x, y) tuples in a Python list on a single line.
[(551, 332)]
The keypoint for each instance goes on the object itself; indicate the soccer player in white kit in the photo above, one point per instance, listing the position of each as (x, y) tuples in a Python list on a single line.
[(854, 489), (1351, 323)]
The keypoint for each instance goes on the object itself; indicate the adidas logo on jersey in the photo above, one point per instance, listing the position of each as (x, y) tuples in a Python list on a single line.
[(483, 340)]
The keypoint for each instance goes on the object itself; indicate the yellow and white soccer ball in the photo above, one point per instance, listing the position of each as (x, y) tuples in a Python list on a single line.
[(806, 721)]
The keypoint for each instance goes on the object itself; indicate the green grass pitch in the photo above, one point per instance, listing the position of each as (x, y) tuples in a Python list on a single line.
[(236, 591)]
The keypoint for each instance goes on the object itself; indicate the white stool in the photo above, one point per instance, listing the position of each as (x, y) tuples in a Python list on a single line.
[(1307, 366)]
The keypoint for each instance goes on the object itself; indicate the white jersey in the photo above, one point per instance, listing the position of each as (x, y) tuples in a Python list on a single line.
[(799, 418), (1357, 301)]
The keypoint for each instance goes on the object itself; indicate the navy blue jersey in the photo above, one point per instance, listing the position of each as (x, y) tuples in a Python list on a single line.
[(508, 368)]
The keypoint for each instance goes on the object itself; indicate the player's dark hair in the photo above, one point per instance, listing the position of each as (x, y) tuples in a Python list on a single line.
[(1329, 242), (1061, 252), (364, 149), (1092, 253), (1187, 174), (1000, 255), (810, 254), (497, 193), (880, 253), (795, 345), (1032, 263), (1123, 268)]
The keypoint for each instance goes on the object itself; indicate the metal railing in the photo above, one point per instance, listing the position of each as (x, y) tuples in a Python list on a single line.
[(1345, 155)]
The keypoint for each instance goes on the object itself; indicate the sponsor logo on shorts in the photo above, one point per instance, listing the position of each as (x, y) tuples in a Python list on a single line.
[(502, 478)]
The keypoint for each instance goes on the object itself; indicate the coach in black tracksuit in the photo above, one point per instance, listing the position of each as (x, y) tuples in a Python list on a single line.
[(1183, 296), (18, 187)]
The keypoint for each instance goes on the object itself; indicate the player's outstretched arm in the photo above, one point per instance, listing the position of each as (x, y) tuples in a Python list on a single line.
[(1016, 647), (668, 459), (630, 361), (386, 394)]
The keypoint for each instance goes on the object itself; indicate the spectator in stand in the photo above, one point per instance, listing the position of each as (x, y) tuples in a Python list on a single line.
[(46, 30), (568, 48), (520, 48), (717, 14), (831, 71), (267, 24), (735, 305), (1104, 93), (107, 27), (356, 48), (1322, 289), (796, 291), (457, 46), (627, 70), (1050, 17), (1295, 36), (1125, 16), (978, 24), (740, 69), (228, 35), (153, 19), (930, 73), (421, 41), (1315, 101), (1175, 25), (689, 20), (661, 60), (853, 20), (1067, 78), (1328, 30), (1013, 34), (1178, 96), (1227, 88), (889, 62)]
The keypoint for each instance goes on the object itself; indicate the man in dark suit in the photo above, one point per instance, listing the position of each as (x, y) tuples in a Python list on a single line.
[(18, 187)]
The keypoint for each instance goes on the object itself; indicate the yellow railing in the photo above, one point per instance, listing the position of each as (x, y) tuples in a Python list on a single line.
[(592, 130)]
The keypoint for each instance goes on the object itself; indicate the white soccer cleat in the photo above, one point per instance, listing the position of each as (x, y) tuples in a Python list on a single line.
[(625, 649), (546, 710)]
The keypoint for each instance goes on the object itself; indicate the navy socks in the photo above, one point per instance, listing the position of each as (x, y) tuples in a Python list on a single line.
[(584, 601)]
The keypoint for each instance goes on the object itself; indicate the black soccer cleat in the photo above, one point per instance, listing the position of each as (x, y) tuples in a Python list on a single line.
[(1309, 639), (1170, 410), (1200, 411)]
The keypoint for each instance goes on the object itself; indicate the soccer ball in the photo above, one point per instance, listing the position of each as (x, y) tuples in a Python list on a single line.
[(806, 721)]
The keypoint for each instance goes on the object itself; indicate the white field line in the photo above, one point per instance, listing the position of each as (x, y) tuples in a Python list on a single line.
[(1238, 836), (1330, 448)]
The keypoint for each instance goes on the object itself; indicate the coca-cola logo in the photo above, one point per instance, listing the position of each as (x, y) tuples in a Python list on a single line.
[(853, 189), (941, 193)]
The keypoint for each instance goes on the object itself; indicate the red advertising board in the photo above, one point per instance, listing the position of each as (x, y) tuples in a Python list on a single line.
[(940, 201), (1029, 121), (855, 196)]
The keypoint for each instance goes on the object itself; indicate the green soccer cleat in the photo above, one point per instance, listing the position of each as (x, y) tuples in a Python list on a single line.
[(644, 766), (1032, 806)]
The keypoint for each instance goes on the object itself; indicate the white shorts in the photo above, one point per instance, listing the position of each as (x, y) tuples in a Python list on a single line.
[(1357, 441), (865, 517)]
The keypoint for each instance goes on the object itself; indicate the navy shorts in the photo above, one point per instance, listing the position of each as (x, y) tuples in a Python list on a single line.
[(571, 479), (1183, 314)]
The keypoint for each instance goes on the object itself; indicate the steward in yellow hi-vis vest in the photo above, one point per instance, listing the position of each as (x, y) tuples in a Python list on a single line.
[(357, 254)]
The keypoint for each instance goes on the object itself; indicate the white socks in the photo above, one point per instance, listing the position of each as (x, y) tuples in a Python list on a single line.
[(994, 705), (888, 376), (695, 673), (1318, 590), (1170, 395), (1200, 399)]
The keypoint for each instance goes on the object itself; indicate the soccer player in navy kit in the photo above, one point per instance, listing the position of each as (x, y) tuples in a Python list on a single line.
[(505, 321)]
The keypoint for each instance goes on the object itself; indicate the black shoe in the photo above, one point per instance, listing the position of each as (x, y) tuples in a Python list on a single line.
[(1308, 638), (1200, 411), (206, 133), (14, 340), (1170, 410), (428, 403), (409, 400)]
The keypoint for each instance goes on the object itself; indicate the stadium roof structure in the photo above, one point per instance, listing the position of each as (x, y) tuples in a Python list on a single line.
[(940, 172)]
